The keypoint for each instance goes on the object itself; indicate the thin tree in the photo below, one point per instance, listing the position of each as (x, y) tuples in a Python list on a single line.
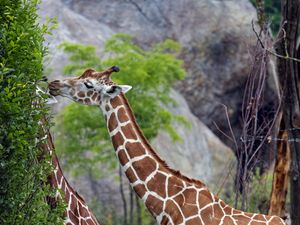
[(256, 125), (288, 76), (281, 173)]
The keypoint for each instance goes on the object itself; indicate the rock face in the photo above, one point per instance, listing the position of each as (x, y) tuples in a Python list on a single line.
[(216, 39)]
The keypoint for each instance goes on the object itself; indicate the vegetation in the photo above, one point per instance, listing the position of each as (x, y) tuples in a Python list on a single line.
[(286, 45), (272, 10), (287, 52), (22, 176), (110, 216), (81, 129)]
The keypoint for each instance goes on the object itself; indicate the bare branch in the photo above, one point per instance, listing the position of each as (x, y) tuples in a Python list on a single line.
[(287, 57)]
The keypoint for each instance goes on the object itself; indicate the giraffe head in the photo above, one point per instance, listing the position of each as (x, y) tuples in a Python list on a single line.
[(91, 88)]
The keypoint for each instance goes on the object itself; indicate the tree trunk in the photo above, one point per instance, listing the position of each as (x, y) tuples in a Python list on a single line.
[(288, 76), (138, 211), (281, 174), (123, 196), (131, 209)]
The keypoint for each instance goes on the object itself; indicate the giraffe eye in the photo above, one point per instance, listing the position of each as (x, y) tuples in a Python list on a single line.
[(88, 84), (111, 90)]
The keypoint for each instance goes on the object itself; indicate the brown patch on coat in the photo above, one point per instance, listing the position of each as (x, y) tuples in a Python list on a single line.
[(241, 219), (112, 122), (81, 94), (228, 220), (87, 101), (129, 132), (73, 218), (175, 185), (115, 102), (204, 198), (117, 140), (190, 196), (144, 167), (135, 149), (94, 96), (130, 175), (174, 212), (157, 184), (194, 221), (154, 205), (165, 220), (83, 211), (140, 189), (122, 157), (122, 115), (208, 216), (89, 93)]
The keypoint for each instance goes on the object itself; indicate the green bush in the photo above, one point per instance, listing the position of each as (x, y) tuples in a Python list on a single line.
[(22, 175)]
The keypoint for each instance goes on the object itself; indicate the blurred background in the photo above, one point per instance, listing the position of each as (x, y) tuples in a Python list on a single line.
[(186, 61)]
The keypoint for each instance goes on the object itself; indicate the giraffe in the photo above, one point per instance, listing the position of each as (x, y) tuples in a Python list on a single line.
[(77, 212), (171, 197)]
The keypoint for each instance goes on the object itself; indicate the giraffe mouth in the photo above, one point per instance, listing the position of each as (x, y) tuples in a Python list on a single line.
[(54, 88), (54, 92)]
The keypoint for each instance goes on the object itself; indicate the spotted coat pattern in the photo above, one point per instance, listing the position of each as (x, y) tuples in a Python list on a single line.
[(173, 199), (170, 197)]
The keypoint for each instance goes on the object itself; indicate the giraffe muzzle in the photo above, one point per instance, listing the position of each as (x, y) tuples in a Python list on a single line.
[(54, 87)]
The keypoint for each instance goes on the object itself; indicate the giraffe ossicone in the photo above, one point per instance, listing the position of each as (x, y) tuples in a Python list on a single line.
[(169, 196)]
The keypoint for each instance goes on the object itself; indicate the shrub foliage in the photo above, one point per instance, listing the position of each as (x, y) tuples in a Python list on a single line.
[(22, 175)]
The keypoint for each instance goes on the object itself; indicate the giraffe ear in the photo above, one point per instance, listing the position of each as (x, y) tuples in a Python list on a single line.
[(125, 88), (116, 90)]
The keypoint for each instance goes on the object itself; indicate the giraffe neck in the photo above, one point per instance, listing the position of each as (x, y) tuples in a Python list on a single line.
[(77, 212), (153, 181), (169, 196)]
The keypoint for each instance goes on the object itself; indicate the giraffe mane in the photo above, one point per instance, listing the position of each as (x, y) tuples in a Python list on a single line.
[(56, 161), (88, 73), (94, 74)]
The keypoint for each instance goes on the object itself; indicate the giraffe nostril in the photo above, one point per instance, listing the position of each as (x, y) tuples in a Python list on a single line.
[(55, 82)]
